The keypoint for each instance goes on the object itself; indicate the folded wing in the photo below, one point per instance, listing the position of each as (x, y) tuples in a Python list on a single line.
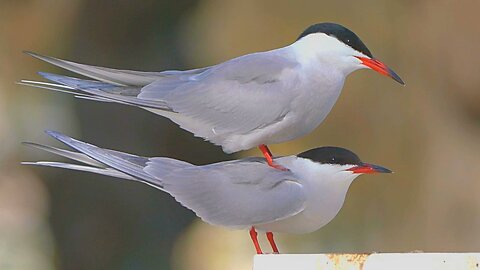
[(236, 97), (235, 194)]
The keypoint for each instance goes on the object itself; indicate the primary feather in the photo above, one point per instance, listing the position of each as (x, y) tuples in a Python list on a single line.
[(236, 194), (220, 103)]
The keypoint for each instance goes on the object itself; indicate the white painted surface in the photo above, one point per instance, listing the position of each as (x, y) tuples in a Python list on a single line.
[(375, 261)]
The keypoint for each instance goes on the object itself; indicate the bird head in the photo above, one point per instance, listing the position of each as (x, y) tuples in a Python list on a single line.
[(341, 48), (339, 163)]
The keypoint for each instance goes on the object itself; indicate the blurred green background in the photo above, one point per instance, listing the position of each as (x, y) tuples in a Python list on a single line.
[(427, 132)]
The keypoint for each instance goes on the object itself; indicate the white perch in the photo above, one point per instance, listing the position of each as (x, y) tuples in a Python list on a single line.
[(366, 261)]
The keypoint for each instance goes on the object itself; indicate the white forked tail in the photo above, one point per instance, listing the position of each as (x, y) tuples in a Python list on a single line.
[(109, 75), (104, 161)]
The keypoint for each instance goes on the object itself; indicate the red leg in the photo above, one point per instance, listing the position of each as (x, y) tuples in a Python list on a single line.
[(268, 156), (253, 235), (272, 242)]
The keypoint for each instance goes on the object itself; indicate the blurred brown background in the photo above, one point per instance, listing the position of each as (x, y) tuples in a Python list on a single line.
[(427, 132)]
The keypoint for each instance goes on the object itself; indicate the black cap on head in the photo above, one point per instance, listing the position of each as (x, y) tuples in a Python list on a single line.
[(341, 33), (332, 155)]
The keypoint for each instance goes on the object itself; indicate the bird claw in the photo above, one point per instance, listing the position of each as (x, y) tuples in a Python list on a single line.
[(269, 158), (276, 166)]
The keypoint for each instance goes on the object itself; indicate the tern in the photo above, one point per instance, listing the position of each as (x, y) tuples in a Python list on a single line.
[(245, 194), (250, 101)]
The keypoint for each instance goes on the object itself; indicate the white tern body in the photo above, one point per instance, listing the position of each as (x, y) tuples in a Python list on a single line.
[(237, 194), (260, 98)]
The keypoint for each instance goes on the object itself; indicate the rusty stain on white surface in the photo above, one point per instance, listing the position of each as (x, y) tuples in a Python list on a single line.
[(345, 261), (366, 261)]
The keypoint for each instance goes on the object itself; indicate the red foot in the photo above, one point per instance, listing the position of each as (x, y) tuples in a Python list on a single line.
[(268, 156), (272, 242), (253, 235)]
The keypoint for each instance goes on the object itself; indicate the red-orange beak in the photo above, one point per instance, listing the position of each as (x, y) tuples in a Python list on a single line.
[(369, 169), (380, 68)]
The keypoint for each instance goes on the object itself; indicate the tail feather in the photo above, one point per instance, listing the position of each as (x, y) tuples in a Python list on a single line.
[(109, 162), (100, 161), (52, 86), (100, 99), (109, 85), (94, 90), (68, 154), (75, 167), (109, 75), (76, 83), (68, 90), (120, 161)]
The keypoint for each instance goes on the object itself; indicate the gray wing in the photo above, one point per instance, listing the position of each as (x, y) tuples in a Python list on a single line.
[(237, 96), (236, 194), (106, 162), (112, 76)]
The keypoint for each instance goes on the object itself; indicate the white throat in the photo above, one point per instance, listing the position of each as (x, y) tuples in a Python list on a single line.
[(326, 187)]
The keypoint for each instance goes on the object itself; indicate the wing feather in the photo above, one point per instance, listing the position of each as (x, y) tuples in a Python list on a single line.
[(237, 97), (218, 103), (235, 194)]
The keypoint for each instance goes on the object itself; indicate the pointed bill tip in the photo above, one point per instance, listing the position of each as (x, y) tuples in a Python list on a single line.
[(395, 76), (379, 169), (381, 68), (366, 168)]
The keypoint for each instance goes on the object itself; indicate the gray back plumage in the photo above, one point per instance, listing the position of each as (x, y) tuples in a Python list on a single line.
[(216, 103), (236, 194)]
